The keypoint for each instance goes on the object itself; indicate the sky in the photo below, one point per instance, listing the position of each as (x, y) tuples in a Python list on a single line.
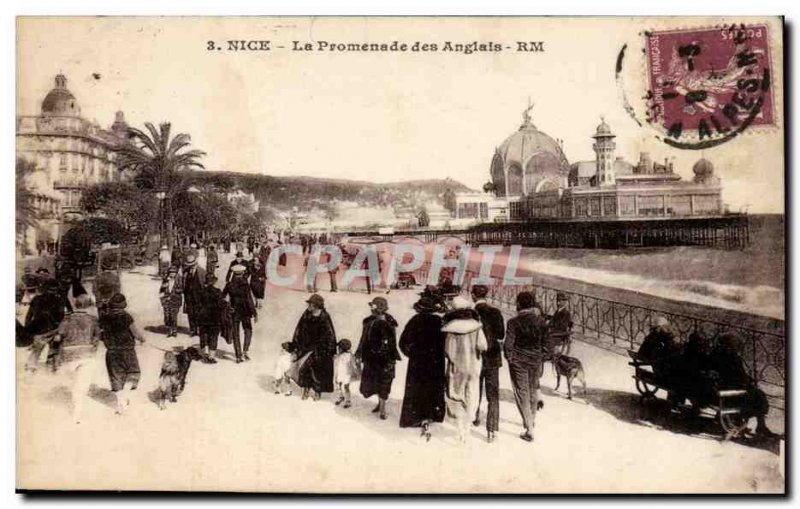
[(377, 116)]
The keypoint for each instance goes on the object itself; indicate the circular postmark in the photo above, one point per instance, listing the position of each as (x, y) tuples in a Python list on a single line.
[(702, 87)]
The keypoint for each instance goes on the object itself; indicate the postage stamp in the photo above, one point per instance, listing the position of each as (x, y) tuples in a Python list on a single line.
[(708, 85)]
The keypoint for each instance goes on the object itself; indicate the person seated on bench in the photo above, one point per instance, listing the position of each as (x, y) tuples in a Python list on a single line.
[(689, 373), (729, 371), (658, 348)]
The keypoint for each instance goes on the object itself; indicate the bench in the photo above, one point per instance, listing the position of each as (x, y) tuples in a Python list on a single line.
[(725, 405)]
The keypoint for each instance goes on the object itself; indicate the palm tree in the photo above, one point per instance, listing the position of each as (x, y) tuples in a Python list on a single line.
[(27, 215), (160, 164)]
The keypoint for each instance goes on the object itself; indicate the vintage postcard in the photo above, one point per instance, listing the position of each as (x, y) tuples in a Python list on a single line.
[(401, 254)]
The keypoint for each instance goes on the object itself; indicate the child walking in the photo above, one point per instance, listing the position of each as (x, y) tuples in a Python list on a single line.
[(282, 367), (346, 371), (120, 334)]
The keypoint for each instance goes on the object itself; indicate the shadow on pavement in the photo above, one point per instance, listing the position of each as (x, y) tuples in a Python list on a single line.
[(658, 413), (361, 411)]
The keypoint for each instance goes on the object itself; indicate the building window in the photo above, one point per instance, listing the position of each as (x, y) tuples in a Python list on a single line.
[(484, 210), (581, 208), (627, 206), (467, 210), (680, 205), (594, 206), (651, 205), (706, 204), (62, 162), (609, 206)]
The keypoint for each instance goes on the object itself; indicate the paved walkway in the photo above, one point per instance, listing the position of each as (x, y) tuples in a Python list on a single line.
[(228, 431)]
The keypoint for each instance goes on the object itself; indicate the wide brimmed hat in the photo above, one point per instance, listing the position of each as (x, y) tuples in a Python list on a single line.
[(460, 302), (427, 304), (190, 259), (380, 304), (317, 300), (172, 269), (118, 302), (480, 291)]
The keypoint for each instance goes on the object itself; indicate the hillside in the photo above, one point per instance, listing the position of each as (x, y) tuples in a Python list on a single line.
[(310, 192)]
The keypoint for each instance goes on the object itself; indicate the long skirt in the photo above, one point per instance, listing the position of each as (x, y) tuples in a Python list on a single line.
[(317, 373), (377, 378), (424, 395)]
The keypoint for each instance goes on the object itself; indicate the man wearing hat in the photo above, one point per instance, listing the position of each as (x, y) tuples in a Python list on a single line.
[(526, 336), (315, 337), (238, 260), (561, 325), (193, 278), (238, 292), (494, 329), (378, 351), (209, 318)]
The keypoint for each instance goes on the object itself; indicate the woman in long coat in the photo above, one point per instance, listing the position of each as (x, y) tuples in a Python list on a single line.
[(258, 281), (378, 351), (422, 341), (315, 334)]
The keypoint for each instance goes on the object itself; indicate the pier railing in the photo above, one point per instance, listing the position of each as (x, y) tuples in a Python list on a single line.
[(618, 327)]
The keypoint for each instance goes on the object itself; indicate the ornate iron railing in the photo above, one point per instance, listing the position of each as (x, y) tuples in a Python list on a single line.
[(618, 327)]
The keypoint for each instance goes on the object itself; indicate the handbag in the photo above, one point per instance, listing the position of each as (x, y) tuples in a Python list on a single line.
[(226, 322)]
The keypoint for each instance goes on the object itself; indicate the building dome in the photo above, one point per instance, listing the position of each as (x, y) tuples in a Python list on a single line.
[(603, 129), (60, 101), (703, 168), (526, 159)]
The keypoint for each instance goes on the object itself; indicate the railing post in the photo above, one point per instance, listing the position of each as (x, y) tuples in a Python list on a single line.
[(613, 325), (631, 334)]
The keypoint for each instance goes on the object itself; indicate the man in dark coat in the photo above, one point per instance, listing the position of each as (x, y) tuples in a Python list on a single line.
[(422, 341), (209, 318), (238, 260), (212, 259), (659, 348), (494, 329), (378, 351), (729, 373), (237, 290), (561, 326), (193, 278), (526, 336), (315, 337)]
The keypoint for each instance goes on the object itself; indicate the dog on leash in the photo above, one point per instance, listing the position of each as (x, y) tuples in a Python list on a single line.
[(174, 369), (570, 368)]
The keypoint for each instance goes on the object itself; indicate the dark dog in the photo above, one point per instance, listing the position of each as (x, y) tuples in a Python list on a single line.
[(172, 380), (570, 368)]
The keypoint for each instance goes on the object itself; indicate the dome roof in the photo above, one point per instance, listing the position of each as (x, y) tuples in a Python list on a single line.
[(527, 142), (703, 168), (60, 101), (603, 129)]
